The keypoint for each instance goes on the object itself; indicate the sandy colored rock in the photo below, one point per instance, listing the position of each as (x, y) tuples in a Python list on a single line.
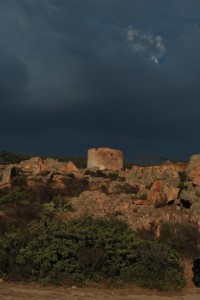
[(147, 175), (193, 169), (7, 176), (36, 165), (105, 158), (70, 167), (162, 190), (189, 196)]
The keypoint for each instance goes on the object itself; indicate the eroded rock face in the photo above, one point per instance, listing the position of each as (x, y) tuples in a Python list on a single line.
[(190, 196), (139, 214), (37, 165), (7, 176), (193, 169), (70, 167), (163, 191), (168, 172), (143, 196)]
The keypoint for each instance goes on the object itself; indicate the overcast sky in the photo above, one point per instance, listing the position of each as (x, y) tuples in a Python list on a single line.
[(123, 74)]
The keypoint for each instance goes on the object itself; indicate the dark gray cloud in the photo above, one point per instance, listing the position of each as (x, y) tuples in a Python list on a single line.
[(76, 74)]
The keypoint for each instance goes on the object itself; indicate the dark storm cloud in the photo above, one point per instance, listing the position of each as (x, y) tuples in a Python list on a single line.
[(100, 69)]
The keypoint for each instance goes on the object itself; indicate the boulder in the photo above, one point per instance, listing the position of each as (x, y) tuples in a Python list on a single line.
[(7, 176), (162, 191), (116, 187), (194, 213), (193, 169), (70, 167), (189, 196), (33, 165), (147, 175), (36, 165)]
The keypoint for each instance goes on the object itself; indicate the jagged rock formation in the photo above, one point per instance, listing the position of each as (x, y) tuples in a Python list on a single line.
[(193, 169), (168, 172), (143, 196)]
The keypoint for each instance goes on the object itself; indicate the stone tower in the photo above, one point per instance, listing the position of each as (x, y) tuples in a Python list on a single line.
[(105, 158)]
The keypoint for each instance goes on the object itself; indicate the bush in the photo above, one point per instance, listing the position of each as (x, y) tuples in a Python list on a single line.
[(13, 195), (143, 197), (89, 249), (58, 204), (182, 186), (19, 180), (183, 237), (183, 176)]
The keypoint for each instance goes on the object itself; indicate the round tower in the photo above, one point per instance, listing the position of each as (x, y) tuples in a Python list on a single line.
[(105, 159)]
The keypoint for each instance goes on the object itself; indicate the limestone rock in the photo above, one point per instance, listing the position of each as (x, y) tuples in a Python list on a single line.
[(147, 175), (36, 165), (195, 213), (193, 169), (7, 176), (70, 167), (189, 196), (116, 187), (163, 191)]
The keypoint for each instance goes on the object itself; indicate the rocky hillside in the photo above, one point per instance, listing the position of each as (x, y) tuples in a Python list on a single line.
[(143, 196)]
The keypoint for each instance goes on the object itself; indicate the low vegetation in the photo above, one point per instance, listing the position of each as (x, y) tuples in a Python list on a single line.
[(87, 249), (183, 237), (39, 241), (36, 244)]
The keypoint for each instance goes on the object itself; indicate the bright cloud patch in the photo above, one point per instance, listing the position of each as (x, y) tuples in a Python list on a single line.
[(150, 45)]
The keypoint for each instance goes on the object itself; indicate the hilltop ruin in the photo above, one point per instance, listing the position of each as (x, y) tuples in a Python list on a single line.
[(105, 159), (144, 196)]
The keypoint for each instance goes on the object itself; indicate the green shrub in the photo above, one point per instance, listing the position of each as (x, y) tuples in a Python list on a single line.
[(113, 176), (183, 237), (182, 186), (183, 176), (143, 197), (89, 249), (19, 180), (13, 195), (58, 204)]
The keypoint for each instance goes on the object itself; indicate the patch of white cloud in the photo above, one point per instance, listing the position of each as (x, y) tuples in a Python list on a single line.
[(150, 45)]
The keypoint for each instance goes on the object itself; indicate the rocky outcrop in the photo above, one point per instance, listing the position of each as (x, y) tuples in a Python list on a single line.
[(140, 214), (162, 192), (143, 196), (168, 172), (70, 167), (193, 169), (37, 165), (7, 176)]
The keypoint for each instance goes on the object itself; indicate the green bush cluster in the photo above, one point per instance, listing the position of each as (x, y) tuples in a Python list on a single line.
[(182, 186), (58, 204), (183, 237), (13, 195), (52, 251), (143, 197), (183, 176)]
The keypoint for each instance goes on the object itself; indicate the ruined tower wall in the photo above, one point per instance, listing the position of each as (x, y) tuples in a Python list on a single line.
[(105, 158)]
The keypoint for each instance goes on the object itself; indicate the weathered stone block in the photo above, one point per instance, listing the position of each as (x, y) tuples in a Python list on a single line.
[(105, 158)]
